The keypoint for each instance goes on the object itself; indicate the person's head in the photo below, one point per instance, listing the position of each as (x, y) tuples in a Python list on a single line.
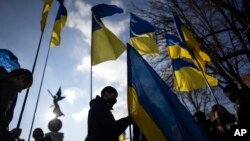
[(109, 94), (230, 91), (199, 117), (38, 133), (22, 77), (221, 117)]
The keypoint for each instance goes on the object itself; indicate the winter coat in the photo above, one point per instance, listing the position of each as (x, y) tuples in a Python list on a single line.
[(102, 125), (8, 98)]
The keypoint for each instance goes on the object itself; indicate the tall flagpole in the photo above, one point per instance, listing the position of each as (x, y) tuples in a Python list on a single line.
[(204, 76), (39, 93), (130, 126), (198, 63), (27, 92), (91, 52)]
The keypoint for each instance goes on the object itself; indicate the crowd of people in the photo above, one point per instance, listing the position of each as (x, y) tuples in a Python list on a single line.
[(221, 124)]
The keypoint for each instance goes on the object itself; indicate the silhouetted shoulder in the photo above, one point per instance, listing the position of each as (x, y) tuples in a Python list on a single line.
[(3, 72)]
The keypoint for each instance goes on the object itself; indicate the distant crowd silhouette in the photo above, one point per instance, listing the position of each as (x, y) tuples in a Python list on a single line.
[(224, 126)]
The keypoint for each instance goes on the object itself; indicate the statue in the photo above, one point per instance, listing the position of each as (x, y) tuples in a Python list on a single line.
[(56, 98)]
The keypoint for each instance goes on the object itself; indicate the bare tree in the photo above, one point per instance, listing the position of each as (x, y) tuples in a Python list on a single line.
[(222, 28)]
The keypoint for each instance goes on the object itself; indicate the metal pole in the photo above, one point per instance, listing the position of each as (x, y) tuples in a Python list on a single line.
[(27, 92), (91, 53), (39, 93)]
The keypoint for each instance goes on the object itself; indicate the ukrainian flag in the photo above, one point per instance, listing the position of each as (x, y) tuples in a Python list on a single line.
[(141, 36), (187, 77), (104, 45), (8, 60), (176, 48), (191, 44), (154, 108), (46, 8), (60, 22)]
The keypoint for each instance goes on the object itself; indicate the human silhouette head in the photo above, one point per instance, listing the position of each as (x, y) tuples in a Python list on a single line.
[(22, 77), (38, 134), (199, 117), (230, 91), (109, 94)]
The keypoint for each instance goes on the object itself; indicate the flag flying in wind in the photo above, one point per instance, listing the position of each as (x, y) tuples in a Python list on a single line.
[(60, 22), (187, 77), (46, 8), (191, 44), (176, 48), (8, 60), (153, 105), (104, 45), (141, 36)]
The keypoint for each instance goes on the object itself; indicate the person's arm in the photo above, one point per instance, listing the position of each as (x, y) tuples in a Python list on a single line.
[(109, 122), (122, 124)]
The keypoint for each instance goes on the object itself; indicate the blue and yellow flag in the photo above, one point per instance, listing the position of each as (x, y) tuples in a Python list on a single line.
[(141, 36), (105, 10), (191, 44), (8, 60), (46, 8), (176, 48), (59, 24), (187, 77), (154, 108), (104, 44)]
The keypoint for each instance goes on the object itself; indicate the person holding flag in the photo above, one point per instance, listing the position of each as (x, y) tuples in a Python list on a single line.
[(10, 84), (102, 125)]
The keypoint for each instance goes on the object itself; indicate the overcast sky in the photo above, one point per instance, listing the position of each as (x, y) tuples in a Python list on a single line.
[(68, 64)]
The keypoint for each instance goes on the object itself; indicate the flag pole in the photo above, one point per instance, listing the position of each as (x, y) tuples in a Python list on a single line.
[(203, 74), (91, 53), (130, 128), (193, 56), (27, 91), (39, 93)]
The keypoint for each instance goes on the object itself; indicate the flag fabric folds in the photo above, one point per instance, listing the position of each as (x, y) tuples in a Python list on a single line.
[(46, 8), (59, 24), (153, 105), (104, 10), (187, 77), (104, 45), (8, 60), (191, 44), (141, 36), (176, 48)]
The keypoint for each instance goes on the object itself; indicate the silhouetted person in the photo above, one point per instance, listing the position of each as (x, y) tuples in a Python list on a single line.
[(38, 135), (222, 119), (10, 84), (201, 120), (241, 98), (102, 125)]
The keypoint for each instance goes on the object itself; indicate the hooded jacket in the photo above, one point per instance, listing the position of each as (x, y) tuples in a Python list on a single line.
[(102, 125)]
